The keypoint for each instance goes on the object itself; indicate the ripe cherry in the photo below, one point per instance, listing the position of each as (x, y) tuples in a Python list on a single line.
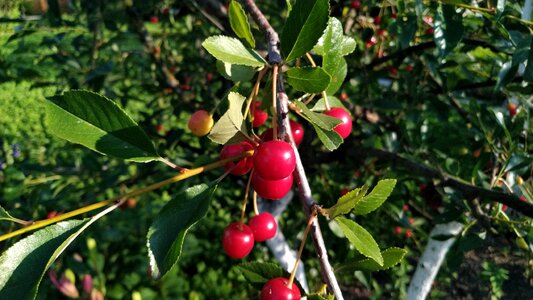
[(242, 166), (355, 4), (377, 20), (154, 19), (260, 116), (277, 289), (238, 240), (297, 133), (271, 189), (274, 160), (398, 230), (52, 214), (200, 123), (263, 226), (511, 107), (343, 96), (345, 128)]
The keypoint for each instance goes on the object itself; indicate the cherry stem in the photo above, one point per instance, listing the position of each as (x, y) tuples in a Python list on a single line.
[(172, 165), (324, 95), (256, 210), (186, 174), (254, 92), (274, 102), (312, 216), (243, 210)]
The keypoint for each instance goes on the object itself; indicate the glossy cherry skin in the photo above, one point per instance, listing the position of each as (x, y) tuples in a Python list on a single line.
[(276, 289), (345, 128), (238, 240), (271, 189), (264, 226), (200, 123), (274, 160), (260, 116), (297, 131), (242, 166)]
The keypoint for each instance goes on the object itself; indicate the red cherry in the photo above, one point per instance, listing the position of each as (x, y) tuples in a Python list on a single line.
[(260, 116), (430, 30), (411, 221), (263, 226), (377, 20), (343, 96), (393, 71), (409, 68), (52, 214), (277, 289), (504, 207), (405, 207), (154, 19), (355, 4), (297, 131), (398, 230), (209, 77), (345, 128), (344, 191), (511, 107), (271, 189), (238, 240), (274, 160), (242, 166), (408, 233)]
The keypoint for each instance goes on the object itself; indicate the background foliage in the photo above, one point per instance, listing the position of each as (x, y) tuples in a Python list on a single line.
[(445, 84)]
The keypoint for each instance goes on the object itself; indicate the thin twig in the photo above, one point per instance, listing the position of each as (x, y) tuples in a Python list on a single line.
[(274, 58)]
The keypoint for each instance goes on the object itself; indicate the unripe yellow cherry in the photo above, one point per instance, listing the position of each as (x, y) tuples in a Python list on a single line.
[(200, 123)]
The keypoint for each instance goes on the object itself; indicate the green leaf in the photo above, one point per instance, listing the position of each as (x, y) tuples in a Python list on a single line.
[(235, 72), (391, 257), (231, 50), (333, 101), (448, 29), (338, 69), (360, 239), (98, 123), (346, 203), (329, 138), (347, 44), (308, 79), (4, 215), (372, 201), (258, 273), (528, 71), (331, 47), (303, 28), (24, 264), (506, 75), (319, 119), (239, 23), (230, 128), (167, 232)]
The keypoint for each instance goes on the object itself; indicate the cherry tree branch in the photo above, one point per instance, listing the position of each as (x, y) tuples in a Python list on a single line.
[(468, 190), (274, 58)]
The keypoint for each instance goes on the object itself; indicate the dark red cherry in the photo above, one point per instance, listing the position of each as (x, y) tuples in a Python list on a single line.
[(242, 166), (271, 189), (277, 289)]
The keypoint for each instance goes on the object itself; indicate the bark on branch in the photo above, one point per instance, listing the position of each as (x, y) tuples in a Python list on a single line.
[(304, 191)]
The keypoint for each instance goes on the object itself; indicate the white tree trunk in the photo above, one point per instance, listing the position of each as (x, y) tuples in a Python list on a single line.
[(431, 260)]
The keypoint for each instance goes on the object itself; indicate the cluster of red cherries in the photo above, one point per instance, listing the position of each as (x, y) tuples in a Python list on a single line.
[(272, 166)]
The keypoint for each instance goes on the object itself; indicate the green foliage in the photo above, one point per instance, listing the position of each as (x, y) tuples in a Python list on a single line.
[(361, 239), (303, 27), (308, 79), (230, 128), (167, 232), (24, 264), (391, 257), (239, 23), (232, 51), (99, 124)]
